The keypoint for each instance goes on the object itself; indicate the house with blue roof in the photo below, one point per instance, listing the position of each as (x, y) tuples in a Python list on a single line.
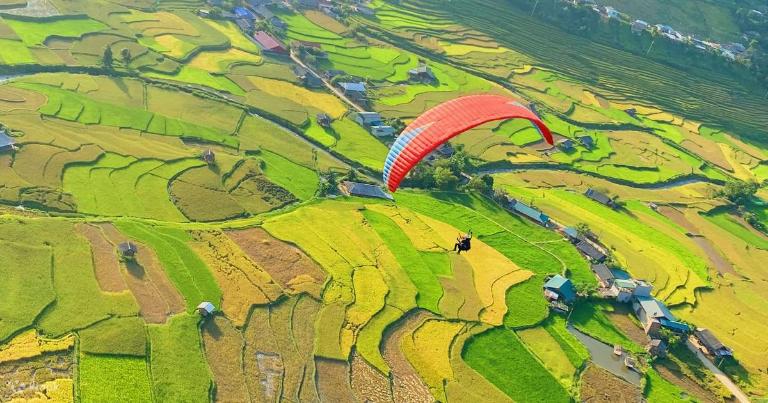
[(244, 13), (654, 316), (6, 142), (559, 288), (529, 212)]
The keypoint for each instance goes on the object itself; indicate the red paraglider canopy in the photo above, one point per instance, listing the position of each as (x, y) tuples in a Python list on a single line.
[(445, 121)]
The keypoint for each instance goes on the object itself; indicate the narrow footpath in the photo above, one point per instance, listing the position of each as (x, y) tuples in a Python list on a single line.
[(722, 377), (327, 83)]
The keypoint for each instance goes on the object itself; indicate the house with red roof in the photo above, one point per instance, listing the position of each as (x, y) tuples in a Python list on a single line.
[(268, 43)]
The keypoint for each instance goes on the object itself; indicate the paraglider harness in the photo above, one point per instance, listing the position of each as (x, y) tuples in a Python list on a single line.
[(463, 243)]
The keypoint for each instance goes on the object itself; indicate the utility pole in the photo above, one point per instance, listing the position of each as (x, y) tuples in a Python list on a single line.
[(649, 47), (534, 7)]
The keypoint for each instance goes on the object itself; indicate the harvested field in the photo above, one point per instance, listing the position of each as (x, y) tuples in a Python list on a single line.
[(368, 384), (716, 258), (243, 283), (223, 345), (145, 277), (288, 265), (264, 367), (106, 264), (601, 386), (26, 379), (407, 386), (333, 377)]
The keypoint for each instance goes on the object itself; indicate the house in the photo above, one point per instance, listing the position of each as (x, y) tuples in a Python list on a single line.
[(368, 119), (604, 275), (600, 198), (127, 250), (268, 43), (205, 309), (365, 10), (611, 12), (330, 74), (734, 47), (656, 348), (363, 190), (639, 26), (566, 144), (559, 288), (323, 120), (208, 156), (279, 24), (625, 290), (263, 12), (654, 316), (592, 253), (422, 74), (631, 112), (529, 212), (6, 142), (382, 131), (572, 234), (712, 346), (245, 25), (665, 29), (586, 141), (243, 13), (308, 78), (445, 150), (355, 91), (308, 3)]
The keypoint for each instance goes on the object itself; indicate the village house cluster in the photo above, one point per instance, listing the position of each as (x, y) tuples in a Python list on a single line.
[(731, 51)]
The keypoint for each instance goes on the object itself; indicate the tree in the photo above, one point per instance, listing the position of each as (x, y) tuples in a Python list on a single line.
[(445, 179), (482, 184), (125, 55), (107, 59), (738, 192)]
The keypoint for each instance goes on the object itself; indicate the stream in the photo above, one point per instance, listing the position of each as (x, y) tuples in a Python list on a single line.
[(602, 355)]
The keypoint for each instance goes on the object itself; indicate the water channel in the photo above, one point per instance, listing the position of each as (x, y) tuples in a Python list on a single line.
[(603, 356)]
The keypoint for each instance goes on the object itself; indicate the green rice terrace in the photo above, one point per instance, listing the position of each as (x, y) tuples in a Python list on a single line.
[(192, 209)]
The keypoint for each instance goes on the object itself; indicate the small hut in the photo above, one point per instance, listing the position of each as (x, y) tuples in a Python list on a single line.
[(209, 157), (127, 250), (205, 309), (324, 120)]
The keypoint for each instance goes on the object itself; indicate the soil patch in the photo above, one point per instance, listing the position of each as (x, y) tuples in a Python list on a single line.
[(687, 384), (106, 265), (368, 384), (288, 265), (264, 367), (620, 317), (599, 385), (333, 380), (156, 296), (407, 385)]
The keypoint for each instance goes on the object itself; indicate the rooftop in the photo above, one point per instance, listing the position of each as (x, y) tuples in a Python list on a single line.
[(589, 250), (366, 190), (562, 286), (5, 139), (356, 87), (266, 41), (708, 339), (655, 309), (598, 196), (530, 212), (603, 272), (621, 283)]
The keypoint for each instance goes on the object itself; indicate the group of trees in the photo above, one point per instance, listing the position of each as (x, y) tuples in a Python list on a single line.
[(742, 194), (108, 59), (448, 174)]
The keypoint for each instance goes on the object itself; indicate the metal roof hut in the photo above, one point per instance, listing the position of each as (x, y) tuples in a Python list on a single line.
[(205, 308), (127, 249), (209, 157)]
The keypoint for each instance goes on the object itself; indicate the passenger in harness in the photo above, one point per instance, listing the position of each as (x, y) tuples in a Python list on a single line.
[(463, 243)]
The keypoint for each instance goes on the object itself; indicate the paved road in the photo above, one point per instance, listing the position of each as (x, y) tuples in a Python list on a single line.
[(737, 393)]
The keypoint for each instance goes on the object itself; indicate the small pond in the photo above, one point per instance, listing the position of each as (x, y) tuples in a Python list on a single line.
[(603, 356)]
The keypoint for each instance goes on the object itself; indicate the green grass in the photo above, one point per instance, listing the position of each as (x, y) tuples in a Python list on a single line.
[(117, 336), (725, 221), (507, 233), (188, 273), (357, 144), (34, 33), (299, 180), (25, 291), (192, 75), (179, 370), (576, 352), (526, 304), (105, 378), (419, 270), (499, 356), (77, 107), (590, 319), (14, 52), (659, 390)]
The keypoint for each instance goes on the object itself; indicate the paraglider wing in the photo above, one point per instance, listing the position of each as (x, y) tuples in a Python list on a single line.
[(445, 121)]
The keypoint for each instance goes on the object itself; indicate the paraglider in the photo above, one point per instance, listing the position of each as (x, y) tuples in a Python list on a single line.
[(445, 121), (463, 243)]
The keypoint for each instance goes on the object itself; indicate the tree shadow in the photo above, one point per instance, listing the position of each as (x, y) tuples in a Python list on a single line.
[(135, 269), (212, 328)]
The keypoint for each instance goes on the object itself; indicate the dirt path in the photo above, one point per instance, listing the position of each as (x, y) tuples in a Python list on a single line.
[(737, 392), (715, 257)]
